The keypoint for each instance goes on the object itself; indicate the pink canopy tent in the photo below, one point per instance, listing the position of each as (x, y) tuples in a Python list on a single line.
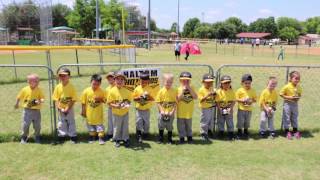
[(193, 48)]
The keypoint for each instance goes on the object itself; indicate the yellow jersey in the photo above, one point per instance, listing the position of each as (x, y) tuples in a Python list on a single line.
[(242, 93), (94, 109), (119, 95), (143, 104), (225, 98), (291, 90), (63, 95), (210, 101), (186, 104), (28, 96), (269, 98), (167, 98)]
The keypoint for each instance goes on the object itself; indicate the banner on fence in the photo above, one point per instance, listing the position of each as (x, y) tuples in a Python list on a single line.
[(133, 77)]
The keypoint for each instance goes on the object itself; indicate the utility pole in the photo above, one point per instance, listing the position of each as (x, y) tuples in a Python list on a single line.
[(97, 19), (149, 30), (178, 24)]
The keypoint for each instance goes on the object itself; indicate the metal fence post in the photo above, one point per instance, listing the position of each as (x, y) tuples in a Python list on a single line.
[(77, 60), (14, 62)]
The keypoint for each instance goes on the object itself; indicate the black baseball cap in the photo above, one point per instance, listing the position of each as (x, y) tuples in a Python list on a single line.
[(208, 78), (144, 76), (246, 77), (185, 75), (64, 71), (225, 79)]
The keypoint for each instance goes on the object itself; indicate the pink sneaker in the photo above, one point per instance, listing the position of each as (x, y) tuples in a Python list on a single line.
[(289, 135), (297, 135)]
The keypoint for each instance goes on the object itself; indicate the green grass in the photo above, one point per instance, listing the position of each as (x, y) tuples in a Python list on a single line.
[(253, 159)]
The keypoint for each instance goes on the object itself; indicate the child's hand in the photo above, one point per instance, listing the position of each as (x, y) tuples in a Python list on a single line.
[(83, 114)]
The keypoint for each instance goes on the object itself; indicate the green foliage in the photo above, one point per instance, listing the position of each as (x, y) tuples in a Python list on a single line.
[(204, 30), (289, 33), (313, 25), (267, 25), (59, 14), (174, 27), (190, 26), (83, 17), (239, 25), (23, 14), (284, 22), (136, 21)]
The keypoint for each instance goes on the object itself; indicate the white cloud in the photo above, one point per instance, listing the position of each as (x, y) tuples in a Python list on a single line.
[(265, 11)]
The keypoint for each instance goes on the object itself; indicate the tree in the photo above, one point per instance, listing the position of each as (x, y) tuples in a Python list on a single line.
[(289, 33), (223, 30), (284, 22), (267, 25), (83, 17), (239, 25), (24, 14), (59, 14), (203, 31), (174, 27), (136, 21), (190, 26), (312, 25)]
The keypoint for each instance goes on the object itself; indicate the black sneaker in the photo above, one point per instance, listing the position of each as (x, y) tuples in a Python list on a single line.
[(181, 141), (230, 136), (220, 134), (272, 135), (74, 140), (37, 140), (117, 144), (23, 140), (190, 140), (140, 139), (210, 134), (263, 134), (127, 143), (91, 139)]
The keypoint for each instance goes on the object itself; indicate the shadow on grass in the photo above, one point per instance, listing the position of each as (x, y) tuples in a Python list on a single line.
[(48, 139)]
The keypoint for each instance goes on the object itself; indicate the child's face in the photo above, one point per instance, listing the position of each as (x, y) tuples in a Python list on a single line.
[(168, 83), (144, 83), (208, 84), (64, 78), (246, 84), (185, 82), (110, 80), (95, 84), (226, 85), (33, 83), (119, 81), (295, 79), (272, 84)]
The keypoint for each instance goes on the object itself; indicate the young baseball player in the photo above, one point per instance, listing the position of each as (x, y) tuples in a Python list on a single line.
[(64, 96), (119, 99), (31, 98), (143, 96), (111, 81), (92, 101), (245, 96), (186, 97), (166, 100), (225, 102), (291, 93), (207, 95), (268, 103)]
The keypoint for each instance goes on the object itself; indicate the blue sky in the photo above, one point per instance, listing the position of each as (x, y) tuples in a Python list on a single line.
[(165, 11)]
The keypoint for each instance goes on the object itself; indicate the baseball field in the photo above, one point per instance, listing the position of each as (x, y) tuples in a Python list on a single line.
[(255, 158)]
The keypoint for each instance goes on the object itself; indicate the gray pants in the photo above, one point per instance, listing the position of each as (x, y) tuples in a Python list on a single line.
[(290, 114), (110, 122), (206, 121), (162, 125), (67, 125), (121, 127), (226, 119), (184, 127), (28, 116), (143, 120), (243, 118), (264, 120)]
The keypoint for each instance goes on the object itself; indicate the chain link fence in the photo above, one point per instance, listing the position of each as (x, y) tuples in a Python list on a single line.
[(309, 104), (10, 118)]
